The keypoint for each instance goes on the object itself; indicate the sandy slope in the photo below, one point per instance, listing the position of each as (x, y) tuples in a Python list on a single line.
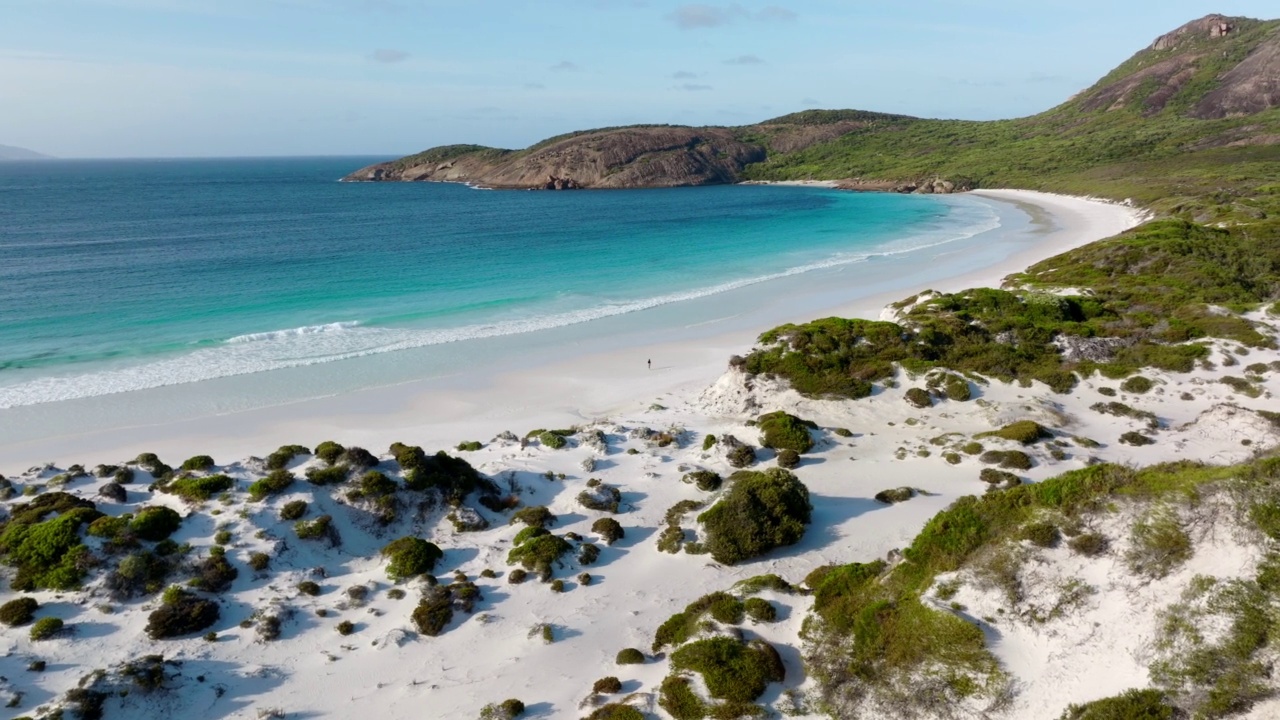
[(386, 671)]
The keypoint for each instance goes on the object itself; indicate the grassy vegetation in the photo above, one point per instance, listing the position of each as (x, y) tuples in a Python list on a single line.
[(876, 635), (781, 431), (1025, 432), (1150, 290), (761, 511), (409, 557), (722, 607)]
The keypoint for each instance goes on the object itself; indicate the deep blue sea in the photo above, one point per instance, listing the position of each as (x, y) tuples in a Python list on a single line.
[(125, 275)]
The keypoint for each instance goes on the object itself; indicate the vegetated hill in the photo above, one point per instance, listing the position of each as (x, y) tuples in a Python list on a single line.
[(1190, 125), (8, 152)]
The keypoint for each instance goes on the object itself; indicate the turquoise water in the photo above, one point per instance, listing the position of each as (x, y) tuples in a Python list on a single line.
[(125, 275)]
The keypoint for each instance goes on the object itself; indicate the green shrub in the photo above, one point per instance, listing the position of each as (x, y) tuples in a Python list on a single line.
[(607, 686), (760, 610), (155, 523), (1025, 432), (471, 446), (152, 464), (452, 477), (708, 442), (46, 628), (629, 656), (551, 440), (896, 495), (678, 628), (199, 463), (316, 529), (346, 627), (1011, 459), (671, 539), (615, 711), (972, 448), (410, 557), (1135, 439), (1158, 544), (528, 533), (740, 456), (843, 432), (307, 587), (293, 510), (1129, 705), (608, 529), (199, 489), (588, 554), (557, 586), (761, 511), (1119, 409), (533, 516), (358, 458), (506, 710), (1089, 544), (539, 553), (139, 573), (214, 574), (276, 482), (281, 458), (259, 561), (181, 614), (328, 451), (434, 612), (732, 670), (332, 475), (679, 700), (999, 478), (47, 553), (781, 431), (918, 397), (110, 528), (18, 611), (758, 583), (1107, 391), (517, 576), (705, 480), (1042, 534), (1137, 385), (788, 459), (372, 486), (604, 498)]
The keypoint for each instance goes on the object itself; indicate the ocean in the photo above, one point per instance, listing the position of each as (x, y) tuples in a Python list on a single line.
[(121, 276)]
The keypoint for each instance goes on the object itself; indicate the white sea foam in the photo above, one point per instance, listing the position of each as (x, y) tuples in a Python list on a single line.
[(313, 344)]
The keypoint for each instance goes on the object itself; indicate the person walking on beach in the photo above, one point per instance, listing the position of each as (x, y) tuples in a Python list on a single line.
[(650, 363)]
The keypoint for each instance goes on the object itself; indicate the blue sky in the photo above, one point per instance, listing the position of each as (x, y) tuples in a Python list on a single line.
[(147, 78)]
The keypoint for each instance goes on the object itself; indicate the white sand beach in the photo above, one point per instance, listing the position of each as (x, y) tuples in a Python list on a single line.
[(498, 651)]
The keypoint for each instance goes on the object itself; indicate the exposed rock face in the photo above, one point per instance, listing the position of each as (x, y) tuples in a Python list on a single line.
[(1211, 26), (1250, 87)]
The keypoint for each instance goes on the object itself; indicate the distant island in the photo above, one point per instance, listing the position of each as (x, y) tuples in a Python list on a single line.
[(1194, 115), (9, 152)]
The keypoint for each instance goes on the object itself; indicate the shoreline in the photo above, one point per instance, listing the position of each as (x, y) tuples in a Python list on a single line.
[(559, 391)]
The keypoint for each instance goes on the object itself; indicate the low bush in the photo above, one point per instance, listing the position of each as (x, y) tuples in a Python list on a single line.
[(329, 451), (629, 656), (276, 482), (551, 440), (1119, 409), (731, 669), (755, 585), (680, 701), (1135, 704), (1025, 432), (18, 611), (782, 431), (1158, 543), (895, 495), (517, 576), (760, 610), (214, 574), (705, 480), (1137, 385), (607, 686), (410, 557), (678, 628), (539, 553), (45, 628), (608, 529), (741, 455), (1042, 534), (293, 510), (308, 587), (615, 711), (788, 459), (199, 463), (434, 612), (999, 478), (281, 458), (671, 539), (139, 573), (1010, 459), (152, 464), (588, 554), (761, 511), (603, 498), (918, 398), (181, 614), (508, 709), (708, 442), (332, 475), (47, 553), (155, 523), (199, 489), (470, 446), (1089, 544), (316, 529), (1135, 439), (259, 561), (358, 458), (534, 516)]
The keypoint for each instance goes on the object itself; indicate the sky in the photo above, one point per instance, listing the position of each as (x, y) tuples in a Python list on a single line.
[(199, 78)]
